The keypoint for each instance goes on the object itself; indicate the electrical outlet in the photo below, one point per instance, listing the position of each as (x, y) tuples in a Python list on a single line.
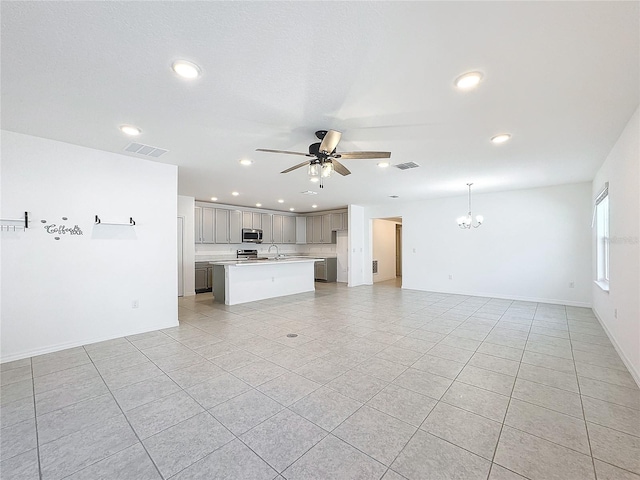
[(572, 285), (450, 277), (134, 304)]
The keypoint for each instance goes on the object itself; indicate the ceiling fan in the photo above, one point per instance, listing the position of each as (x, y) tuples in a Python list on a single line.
[(324, 158)]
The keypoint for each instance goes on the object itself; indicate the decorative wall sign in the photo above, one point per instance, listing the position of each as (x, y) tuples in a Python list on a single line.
[(61, 229)]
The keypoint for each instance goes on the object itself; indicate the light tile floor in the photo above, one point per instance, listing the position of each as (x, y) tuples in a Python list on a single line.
[(379, 383)]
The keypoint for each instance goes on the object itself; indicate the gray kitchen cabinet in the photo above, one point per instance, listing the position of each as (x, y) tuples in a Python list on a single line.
[(257, 220), (309, 229), (235, 226), (204, 225), (197, 223), (317, 229), (336, 221), (267, 228), (277, 228), (288, 229), (208, 225), (247, 220), (326, 228), (222, 225), (345, 221), (326, 270), (204, 277), (251, 220)]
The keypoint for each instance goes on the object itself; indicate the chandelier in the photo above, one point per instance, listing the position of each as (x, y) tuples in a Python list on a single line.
[(466, 221)]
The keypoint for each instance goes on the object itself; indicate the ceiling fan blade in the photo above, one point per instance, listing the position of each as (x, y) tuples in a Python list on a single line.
[(363, 155), (283, 151), (294, 167), (330, 141), (340, 168)]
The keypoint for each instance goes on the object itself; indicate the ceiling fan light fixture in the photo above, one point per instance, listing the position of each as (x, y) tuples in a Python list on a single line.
[(314, 169), (501, 138), (186, 69), (468, 80), (327, 169)]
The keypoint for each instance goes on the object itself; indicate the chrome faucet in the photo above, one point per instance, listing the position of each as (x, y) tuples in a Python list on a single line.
[(277, 250)]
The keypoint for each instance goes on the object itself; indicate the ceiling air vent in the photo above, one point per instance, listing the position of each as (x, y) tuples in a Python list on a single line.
[(406, 166), (146, 150), (309, 192)]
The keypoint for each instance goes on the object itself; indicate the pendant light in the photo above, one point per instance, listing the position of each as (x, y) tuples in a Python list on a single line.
[(466, 221)]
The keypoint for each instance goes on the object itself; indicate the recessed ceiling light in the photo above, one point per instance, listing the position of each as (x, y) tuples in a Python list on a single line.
[(501, 138), (314, 206), (258, 204), (214, 199), (383, 164), (130, 130), (468, 80), (235, 194), (246, 161), (291, 209), (186, 69), (314, 179), (280, 201)]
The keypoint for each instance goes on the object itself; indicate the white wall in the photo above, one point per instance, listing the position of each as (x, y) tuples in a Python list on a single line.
[(186, 210), (384, 249), (533, 243), (79, 289), (356, 273), (621, 169)]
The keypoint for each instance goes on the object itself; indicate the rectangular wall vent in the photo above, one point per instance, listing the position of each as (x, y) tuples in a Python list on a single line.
[(406, 166), (146, 150), (375, 266)]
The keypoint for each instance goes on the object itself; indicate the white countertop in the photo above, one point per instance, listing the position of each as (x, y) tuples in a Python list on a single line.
[(271, 261)]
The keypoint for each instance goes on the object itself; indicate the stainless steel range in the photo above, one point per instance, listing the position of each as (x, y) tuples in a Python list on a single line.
[(247, 254)]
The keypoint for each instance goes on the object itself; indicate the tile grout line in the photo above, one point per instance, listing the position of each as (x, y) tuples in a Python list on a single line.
[(584, 416), (495, 450), (35, 419)]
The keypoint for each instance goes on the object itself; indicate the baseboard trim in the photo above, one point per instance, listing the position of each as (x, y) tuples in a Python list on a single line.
[(635, 374), (79, 343), (554, 301)]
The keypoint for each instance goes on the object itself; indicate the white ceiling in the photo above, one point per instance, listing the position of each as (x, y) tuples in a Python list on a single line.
[(562, 77)]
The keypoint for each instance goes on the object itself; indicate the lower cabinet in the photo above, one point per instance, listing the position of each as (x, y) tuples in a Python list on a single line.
[(327, 270), (204, 277)]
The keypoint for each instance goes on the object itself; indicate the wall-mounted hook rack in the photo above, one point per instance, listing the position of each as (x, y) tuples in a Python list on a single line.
[(130, 224), (17, 224)]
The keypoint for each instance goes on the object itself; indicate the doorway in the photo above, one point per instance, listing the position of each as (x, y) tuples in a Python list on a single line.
[(398, 250), (180, 256), (386, 242)]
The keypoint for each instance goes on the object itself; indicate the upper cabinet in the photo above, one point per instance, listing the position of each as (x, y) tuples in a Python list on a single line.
[(224, 225), (204, 225), (288, 229), (277, 228), (267, 227)]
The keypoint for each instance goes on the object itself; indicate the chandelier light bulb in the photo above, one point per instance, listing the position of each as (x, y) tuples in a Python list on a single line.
[(314, 169)]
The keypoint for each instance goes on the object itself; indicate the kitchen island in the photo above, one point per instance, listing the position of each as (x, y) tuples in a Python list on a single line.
[(236, 282)]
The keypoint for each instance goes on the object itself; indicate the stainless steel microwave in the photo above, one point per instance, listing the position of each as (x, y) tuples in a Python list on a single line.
[(251, 235)]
